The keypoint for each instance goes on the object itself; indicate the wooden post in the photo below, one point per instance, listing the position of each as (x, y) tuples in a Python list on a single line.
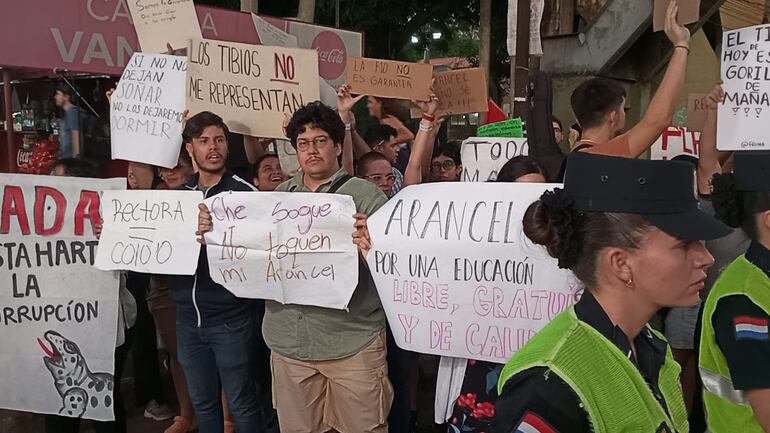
[(250, 6)]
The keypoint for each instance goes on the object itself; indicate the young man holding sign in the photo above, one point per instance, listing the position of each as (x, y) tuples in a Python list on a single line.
[(329, 366)]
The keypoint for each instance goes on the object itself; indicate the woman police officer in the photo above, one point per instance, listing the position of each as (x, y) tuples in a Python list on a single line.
[(630, 230)]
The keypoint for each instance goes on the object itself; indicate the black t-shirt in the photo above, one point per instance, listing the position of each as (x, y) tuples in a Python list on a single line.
[(741, 330), (538, 395)]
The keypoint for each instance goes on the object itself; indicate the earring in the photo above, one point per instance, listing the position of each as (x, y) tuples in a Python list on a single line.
[(630, 283)]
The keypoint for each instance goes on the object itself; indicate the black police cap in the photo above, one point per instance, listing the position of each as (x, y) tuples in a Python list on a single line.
[(663, 192), (752, 171)]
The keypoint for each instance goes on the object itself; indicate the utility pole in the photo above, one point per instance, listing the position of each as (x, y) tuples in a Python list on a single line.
[(250, 6), (520, 60), (485, 39), (306, 11)]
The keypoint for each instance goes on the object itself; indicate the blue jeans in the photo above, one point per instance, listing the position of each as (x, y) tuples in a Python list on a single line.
[(221, 354)]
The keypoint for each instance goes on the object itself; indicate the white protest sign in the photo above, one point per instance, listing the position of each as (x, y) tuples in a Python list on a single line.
[(745, 111), (675, 142), (161, 22), (272, 35), (250, 86), (150, 231), (455, 273), (483, 157), (147, 110), (59, 317), (287, 154), (294, 248)]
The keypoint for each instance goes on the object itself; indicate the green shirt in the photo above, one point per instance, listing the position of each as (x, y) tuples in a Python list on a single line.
[(318, 334)]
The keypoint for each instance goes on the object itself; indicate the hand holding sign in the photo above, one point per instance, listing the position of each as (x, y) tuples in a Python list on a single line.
[(677, 33)]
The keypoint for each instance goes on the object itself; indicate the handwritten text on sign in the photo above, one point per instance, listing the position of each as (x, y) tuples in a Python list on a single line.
[(147, 109), (745, 111), (389, 78), (456, 275), (460, 91), (675, 142), (161, 22), (150, 231), (250, 86), (483, 157), (294, 248), (51, 293)]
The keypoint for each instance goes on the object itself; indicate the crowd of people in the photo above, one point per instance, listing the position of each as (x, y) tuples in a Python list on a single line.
[(646, 247)]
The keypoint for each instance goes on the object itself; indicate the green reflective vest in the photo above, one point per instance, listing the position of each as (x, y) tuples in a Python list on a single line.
[(726, 408), (610, 387)]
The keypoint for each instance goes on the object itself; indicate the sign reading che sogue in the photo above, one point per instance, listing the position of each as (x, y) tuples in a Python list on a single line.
[(483, 157), (294, 248), (150, 231), (59, 315), (147, 110), (250, 86), (456, 275), (389, 78), (745, 110)]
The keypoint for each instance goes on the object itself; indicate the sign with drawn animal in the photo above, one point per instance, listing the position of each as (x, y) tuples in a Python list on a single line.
[(59, 314)]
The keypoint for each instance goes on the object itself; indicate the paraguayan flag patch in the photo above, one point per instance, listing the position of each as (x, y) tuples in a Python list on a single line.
[(750, 328), (532, 423)]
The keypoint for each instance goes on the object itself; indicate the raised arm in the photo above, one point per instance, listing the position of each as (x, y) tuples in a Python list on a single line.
[(345, 103), (661, 109), (404, 135), (422, 146), (709, 158)]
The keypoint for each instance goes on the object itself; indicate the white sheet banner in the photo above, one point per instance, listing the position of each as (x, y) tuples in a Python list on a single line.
[(675, 142), (457, 276), (59, 314), (745, 110), (294, 248), (483, 157), (147, 109), (150, 231)]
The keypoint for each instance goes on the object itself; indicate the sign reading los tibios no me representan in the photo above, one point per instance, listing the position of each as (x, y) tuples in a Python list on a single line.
[(456, 275), (294, 248), (150, 231), (147, 110), (250, 86), (745, 111)]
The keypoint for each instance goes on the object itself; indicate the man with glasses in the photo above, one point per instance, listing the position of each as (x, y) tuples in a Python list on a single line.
[(382, 139), (329, 367), (446, 165)]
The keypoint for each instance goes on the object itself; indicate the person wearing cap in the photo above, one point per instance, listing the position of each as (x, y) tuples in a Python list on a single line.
[(630, 230), (734, 343)]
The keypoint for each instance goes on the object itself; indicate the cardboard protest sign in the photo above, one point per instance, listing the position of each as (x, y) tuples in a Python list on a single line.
[(161, 22), (696, 111), (744, 113), (689, 12), (150, 231), (505, 128), (59, 313), (389, 78), (675, 142), (459, 91), (483, 157), (456, 275), (147, 110), (294, 248), (287, 155), (250, 86), (272, 35)]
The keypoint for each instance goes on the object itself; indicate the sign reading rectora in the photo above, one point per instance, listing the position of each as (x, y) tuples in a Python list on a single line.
[(250, 86), (294, 248), (58, 323), (147, 110), (483, 157), (389, 78), (745, 110), (150, 231), (456, 275)]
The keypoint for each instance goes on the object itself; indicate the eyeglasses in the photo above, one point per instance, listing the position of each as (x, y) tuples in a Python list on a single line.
[(446, 165), (378, 178), (319, 142)]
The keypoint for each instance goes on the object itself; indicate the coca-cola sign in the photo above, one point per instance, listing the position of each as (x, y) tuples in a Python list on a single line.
[(332, 54), (22, 157)]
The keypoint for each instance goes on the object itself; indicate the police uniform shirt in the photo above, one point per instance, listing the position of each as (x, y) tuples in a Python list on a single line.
[(539, 392), (747, 352)]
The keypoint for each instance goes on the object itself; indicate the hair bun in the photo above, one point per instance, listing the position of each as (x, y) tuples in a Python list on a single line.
[(726, 200), (553, 222)]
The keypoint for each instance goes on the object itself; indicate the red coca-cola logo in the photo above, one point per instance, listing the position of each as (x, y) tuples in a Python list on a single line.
[(332, 54), (22, 158)]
